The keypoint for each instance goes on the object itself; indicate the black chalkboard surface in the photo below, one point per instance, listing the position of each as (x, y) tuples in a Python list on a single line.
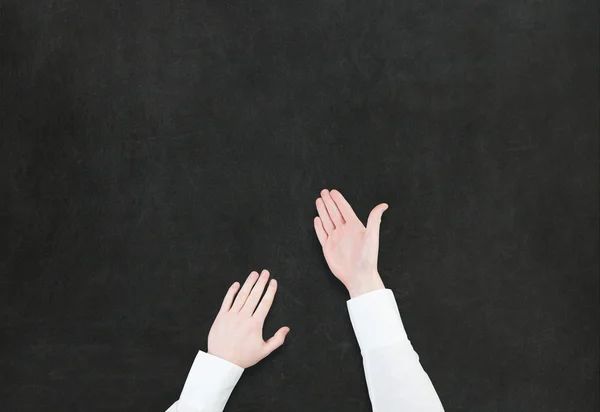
[(152, 153)]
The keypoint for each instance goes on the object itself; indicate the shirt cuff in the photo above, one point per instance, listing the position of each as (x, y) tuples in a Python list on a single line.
[(210, 382), (376, 320)]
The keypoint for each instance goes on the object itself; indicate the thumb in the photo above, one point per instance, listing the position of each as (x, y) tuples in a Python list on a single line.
[(276, 341), (374, 221)]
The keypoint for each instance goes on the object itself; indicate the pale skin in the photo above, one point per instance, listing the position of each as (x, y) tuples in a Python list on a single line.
[(237, 333), (349, 247), (350, 250)]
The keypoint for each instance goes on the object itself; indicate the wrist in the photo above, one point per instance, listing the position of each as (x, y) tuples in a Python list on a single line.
[(226, 358), (365, 284)]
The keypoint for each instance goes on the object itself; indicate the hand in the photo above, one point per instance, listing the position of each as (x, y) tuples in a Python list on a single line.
[(350, 249), (236, 334)]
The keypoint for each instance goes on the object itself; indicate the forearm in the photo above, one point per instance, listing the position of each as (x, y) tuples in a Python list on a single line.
[(397, 381), (208, 385), (395, 378)]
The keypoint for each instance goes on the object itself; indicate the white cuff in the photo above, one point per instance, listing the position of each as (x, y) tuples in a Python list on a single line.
[(376, 320), (210, 382)]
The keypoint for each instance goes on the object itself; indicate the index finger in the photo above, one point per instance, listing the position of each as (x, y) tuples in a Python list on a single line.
[(343, 206)]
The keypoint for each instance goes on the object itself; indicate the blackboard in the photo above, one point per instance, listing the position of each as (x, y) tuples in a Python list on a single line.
[(154, 152)]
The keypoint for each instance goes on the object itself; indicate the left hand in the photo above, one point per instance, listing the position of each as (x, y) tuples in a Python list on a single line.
[(236, 334)]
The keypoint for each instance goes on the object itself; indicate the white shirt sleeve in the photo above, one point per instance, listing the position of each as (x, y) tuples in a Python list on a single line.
[(395, 378), (208, 385)]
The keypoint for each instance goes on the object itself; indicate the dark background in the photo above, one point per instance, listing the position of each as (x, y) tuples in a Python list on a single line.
[(153, 152)]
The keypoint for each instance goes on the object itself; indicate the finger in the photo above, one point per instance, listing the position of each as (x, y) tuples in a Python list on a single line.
[(256, 293), (265, 304), (374, 222), (327, 223), (321, 234), (240, 300), (334, 213), (228, 300), (343, 206), (276, 341)]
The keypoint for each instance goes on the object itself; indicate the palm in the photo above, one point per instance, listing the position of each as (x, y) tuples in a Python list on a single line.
[(349, 250)]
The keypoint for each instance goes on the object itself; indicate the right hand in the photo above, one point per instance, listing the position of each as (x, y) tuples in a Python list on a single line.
[(349, 247)]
